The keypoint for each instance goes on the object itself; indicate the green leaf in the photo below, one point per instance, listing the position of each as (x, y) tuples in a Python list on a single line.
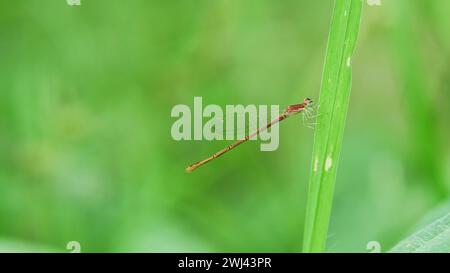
[(332, 112), (432, 238)]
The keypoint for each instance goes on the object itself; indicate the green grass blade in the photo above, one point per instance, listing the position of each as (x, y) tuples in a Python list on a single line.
[(433, 238), (333, 104)]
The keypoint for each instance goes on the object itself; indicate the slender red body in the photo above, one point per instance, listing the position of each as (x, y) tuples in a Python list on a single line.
[(290, 110)]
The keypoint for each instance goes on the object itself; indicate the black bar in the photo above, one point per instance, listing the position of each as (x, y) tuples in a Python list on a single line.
[(221, 262)]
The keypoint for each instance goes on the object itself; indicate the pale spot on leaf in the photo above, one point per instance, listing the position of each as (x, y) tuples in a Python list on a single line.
[(328, 163)]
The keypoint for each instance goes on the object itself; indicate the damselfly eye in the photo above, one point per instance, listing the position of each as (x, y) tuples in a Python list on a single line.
[(308, 100)]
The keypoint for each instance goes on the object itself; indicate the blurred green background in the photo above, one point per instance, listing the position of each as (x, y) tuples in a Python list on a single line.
[(85, 147)]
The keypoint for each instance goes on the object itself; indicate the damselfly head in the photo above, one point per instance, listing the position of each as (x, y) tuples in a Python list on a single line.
[(308, 101)]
